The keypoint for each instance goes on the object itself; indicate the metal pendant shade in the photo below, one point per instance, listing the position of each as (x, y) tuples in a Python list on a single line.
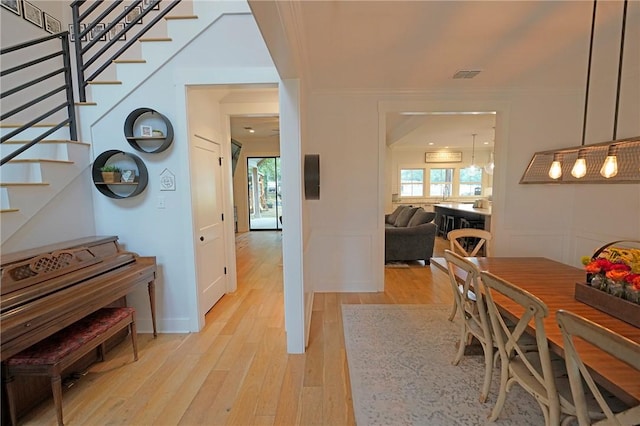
[(615, 161)]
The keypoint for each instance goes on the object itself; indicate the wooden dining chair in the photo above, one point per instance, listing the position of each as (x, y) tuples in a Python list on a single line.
[(470, 241), (540, 374), (475, 322), (613, 411), (458, 239)]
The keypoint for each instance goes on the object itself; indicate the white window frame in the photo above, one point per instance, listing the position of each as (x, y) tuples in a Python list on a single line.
[(448, 186), (424, 174), (472, 183)]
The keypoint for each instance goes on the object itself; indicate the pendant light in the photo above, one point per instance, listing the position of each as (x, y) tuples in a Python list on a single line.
[(473, 152), (610, 167), (579, 169), (621, 163), (491, 165), (555, 172), (580, 166)]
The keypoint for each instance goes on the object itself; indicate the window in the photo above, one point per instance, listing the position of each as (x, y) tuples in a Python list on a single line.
[(470, 181), (411, 182), (440, 180)]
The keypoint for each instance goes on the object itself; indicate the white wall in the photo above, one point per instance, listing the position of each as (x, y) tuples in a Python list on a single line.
[(15, 29), (343, 243), (167, 233), (298, 289), (562, 222), (68, 216)]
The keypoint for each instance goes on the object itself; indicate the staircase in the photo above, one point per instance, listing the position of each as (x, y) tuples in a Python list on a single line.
[(36, 177)]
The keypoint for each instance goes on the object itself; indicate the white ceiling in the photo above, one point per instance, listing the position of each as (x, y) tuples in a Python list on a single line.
[(441, 130), (417, 46), (264, 128)]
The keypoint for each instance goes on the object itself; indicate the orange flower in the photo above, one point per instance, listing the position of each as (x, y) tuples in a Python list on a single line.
[(617, 274), (593, 268)]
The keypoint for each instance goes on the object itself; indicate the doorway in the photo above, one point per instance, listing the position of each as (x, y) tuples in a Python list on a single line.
[(264, 196)]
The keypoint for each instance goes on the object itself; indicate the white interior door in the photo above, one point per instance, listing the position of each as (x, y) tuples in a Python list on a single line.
[(209, 232)]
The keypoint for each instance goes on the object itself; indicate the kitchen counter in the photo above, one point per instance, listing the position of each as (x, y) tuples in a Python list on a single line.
[(464, 207), (462, 210)]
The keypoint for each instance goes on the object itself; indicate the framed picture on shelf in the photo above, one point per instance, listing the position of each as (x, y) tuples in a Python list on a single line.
[(117, 29), (95, 32), (72, 36), (32, 13), (153, 4), (51, 24), (132, 14), (128, 176), (12, 5), (146, 131)]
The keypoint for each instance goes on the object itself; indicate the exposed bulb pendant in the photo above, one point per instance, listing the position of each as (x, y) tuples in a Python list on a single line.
[(556, 167), (610, 167), (473, 152), (490, 166), (579, 169)]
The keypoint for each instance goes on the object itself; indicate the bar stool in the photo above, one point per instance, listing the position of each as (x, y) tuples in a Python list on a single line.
[(466, 242), (447, 223), (450, 223), (442, 226)]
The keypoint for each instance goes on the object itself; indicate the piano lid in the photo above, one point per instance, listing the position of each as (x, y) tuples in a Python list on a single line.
[(37, 272)]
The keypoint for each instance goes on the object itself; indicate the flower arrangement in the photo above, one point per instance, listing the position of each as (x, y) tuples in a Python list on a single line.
[(615, 270)]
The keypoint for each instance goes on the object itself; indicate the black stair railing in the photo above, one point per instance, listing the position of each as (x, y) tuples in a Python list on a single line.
[(34, 75), (86, 21), (90, 21)]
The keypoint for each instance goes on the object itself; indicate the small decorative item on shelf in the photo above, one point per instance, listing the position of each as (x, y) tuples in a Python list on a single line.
[(128, 176), (613, 281), (110, 174), (157, 133), (146, 131)]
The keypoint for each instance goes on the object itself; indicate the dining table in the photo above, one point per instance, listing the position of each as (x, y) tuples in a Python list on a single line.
[(554, 283)]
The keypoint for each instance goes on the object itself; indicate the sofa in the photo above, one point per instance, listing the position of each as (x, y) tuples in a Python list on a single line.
[(410, 234)]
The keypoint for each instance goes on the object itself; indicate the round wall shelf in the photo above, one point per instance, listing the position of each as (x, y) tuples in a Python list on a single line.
[(148, 131), (134, 176)]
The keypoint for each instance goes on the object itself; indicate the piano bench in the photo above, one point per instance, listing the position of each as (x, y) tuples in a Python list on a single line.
[(52, 355)]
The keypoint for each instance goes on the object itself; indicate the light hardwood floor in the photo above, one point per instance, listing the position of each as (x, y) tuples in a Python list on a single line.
[(236, 371)]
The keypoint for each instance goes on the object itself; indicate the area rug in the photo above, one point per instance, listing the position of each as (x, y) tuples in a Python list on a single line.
[(401, 265), (399, 359)]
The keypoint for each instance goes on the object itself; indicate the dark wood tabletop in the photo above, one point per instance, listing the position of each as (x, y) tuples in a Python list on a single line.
[(554, 283)]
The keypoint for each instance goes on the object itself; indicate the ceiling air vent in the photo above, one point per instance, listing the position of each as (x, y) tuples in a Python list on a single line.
[(466, 74)]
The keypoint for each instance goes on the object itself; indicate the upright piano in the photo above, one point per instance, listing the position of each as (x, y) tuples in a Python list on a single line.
[(46, 289)]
